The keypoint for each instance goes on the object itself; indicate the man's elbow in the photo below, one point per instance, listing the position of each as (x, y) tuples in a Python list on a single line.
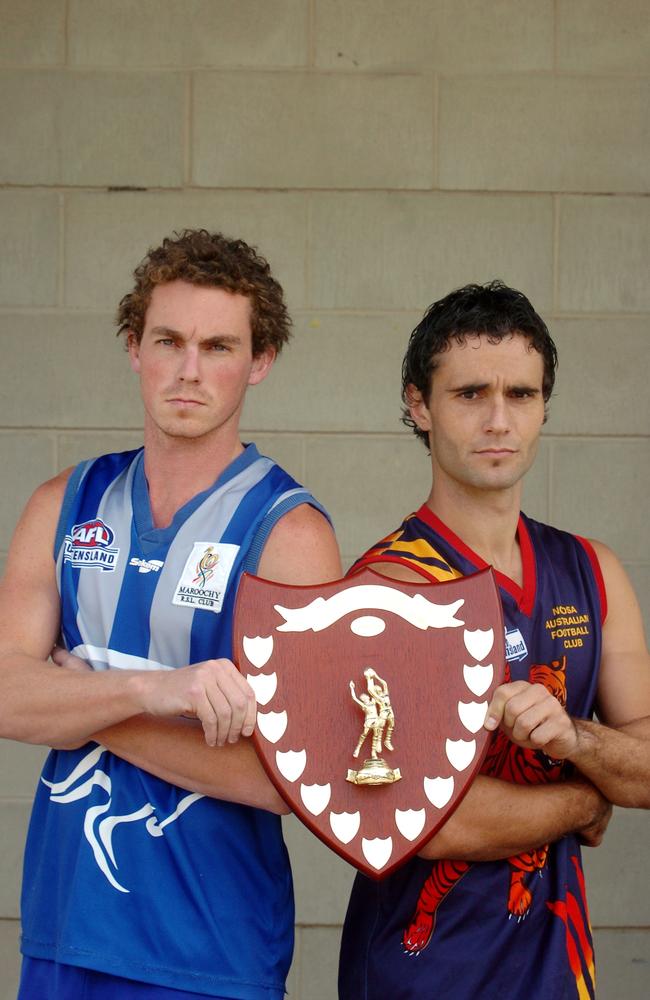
[(635, 797), (275, 803), (17, 727)]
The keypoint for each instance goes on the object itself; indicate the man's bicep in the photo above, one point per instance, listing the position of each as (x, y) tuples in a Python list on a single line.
[(29, 600), (624, 680), (301, 549)]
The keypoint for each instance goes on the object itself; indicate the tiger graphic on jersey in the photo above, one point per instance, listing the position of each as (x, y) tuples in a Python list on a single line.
[(527, 913), (509, 762)]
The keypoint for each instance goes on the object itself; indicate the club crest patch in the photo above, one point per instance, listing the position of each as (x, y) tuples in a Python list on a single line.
[(91, 544), (203, 581)]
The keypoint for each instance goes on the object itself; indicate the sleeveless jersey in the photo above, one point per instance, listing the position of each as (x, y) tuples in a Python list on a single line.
[(125, 873), (451, 930)]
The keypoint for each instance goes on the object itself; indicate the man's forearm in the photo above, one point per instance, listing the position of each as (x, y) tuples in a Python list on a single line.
[(498, 819), (68, 703), (175, 750), (44, 704), (616, 760)]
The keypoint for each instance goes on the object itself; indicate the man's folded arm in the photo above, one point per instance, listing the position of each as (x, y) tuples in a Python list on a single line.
[(40, 703), (175, 750), (613, 753), (498, 819), (301, 550)]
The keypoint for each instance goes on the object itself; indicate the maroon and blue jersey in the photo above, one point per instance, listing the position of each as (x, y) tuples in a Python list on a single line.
[(517, 927)]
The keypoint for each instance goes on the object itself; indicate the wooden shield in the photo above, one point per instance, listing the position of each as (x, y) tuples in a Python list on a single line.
[(400, 673)]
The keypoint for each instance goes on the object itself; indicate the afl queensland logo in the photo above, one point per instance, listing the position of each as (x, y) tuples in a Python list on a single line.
[(91, 544)]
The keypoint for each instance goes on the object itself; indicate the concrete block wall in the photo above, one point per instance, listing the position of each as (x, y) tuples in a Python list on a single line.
[(379, 153)]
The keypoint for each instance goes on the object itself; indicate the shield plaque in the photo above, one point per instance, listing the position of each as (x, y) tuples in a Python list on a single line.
[(371, 697)]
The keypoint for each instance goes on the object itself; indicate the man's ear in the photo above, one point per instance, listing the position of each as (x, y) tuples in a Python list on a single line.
[(261, 365), (418, 408), (133, 347)]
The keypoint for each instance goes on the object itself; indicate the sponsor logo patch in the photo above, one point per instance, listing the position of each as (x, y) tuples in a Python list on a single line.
[(515, 646), (91, 544), (203, 581), (146, 565)]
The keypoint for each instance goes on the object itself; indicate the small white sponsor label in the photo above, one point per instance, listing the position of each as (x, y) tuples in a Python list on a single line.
[(203, 581), (515, 645), (146, 565)]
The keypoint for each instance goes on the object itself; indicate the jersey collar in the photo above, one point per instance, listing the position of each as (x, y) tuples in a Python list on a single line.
[(524, 595), (142, 508)]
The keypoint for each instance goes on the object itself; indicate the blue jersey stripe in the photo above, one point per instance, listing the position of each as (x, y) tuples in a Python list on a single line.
[(71, 488), (125, 851), (241, 529), (131, 626), (81, 502), (70, 634), (248, 512), (281, 507)]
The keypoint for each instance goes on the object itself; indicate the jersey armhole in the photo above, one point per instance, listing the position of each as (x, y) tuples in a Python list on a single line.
[(71, 488), (269, 521), (598, 574), (399, 560)]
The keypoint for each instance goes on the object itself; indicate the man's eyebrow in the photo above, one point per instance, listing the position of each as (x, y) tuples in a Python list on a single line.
[(222, 338), (216, 338), (165, 331), (534, 390), (469, 387), (479, 386)]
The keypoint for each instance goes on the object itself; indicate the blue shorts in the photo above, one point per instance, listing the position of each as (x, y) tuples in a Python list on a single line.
[(44, 980)]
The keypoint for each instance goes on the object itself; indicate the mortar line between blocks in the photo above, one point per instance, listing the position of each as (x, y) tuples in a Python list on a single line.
[(188, 131), (556, 253), (60, 292)]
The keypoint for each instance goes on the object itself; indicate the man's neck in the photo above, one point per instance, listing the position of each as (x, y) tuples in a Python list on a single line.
[(486, 521), (177, 469)]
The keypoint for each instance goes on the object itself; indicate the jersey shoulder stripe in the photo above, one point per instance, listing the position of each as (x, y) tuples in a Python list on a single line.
[(407, 547)]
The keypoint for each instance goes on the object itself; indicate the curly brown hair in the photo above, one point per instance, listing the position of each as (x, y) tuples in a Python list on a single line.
[(203, 258)]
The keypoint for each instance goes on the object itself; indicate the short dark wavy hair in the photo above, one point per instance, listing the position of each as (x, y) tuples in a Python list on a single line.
[(210, 259), (492, 309)]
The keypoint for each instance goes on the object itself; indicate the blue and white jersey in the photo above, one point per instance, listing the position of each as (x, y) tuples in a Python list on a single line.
[(125, 873)]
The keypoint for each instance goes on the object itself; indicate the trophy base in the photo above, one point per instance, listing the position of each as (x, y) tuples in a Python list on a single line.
[(374, 772)]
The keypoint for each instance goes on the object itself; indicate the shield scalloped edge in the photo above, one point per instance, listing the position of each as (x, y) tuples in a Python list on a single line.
[(424, 660)]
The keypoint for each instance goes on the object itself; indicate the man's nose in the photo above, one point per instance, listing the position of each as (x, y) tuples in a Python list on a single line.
[(497, 418), (189, 369)]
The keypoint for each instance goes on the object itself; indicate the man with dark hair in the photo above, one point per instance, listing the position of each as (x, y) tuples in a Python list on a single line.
[(155, 865), (494, 906)]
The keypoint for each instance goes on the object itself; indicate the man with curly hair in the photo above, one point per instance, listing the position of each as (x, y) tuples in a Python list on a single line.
[(155, 866)]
